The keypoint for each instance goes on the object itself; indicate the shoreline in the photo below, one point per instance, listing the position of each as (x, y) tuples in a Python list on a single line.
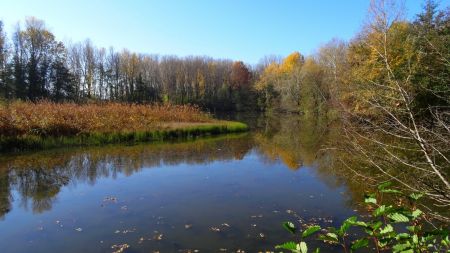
[(166, 131)]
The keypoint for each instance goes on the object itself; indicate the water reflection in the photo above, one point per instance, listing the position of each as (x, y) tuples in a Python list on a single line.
[(38, 177), (253, 181)]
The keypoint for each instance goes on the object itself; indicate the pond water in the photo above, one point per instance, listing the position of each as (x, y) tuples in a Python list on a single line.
[(224, 193)]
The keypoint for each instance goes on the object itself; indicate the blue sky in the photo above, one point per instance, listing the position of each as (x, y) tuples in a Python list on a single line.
[(240, 30)]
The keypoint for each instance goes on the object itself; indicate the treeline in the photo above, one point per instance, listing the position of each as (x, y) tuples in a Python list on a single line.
[(388, 53), (35, 66), (389, 87)]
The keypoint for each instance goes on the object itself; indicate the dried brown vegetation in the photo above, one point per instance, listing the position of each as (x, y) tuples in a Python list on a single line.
[(52, 119)]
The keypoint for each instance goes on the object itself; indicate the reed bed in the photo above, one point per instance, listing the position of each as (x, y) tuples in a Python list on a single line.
[(25, 125)]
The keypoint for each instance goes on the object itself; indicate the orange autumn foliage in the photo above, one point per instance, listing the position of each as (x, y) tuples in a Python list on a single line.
[(52, 119)]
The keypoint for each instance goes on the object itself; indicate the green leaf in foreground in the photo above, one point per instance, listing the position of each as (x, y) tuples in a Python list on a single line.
[(287, 246), (329, 237), (384, 185), (360, 243), (401, 247), (398, 217), (303, 247), (416, 213), (415, 196), (391, 191), (370, 198), (346, 225), (311, 230), (380, 211), (289, 226), (387, 229)]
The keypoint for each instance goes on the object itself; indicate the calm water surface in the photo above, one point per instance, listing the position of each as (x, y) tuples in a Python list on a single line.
[(217, 194)]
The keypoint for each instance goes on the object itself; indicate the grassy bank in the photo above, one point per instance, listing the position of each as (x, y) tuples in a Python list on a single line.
[(25, 125)]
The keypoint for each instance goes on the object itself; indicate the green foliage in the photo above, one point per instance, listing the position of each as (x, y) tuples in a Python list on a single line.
[(289, 226), (384, 231), (310, 230), (288, 245)]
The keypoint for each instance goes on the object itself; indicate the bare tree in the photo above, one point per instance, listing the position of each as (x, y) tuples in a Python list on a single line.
[(414, 152)]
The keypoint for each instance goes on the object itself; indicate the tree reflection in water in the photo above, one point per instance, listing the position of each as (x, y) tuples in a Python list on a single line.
[(38, 177), (294, 140)]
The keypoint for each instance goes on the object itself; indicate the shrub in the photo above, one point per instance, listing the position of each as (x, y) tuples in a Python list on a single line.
[(396, 227)]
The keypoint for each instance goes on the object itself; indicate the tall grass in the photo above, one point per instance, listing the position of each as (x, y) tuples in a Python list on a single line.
[(25, 125)]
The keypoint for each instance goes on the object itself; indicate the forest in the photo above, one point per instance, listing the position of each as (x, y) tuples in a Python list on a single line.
[(35, 66)]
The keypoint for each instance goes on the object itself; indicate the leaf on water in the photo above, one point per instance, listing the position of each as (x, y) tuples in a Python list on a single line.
[(120, 248), (215, 229)]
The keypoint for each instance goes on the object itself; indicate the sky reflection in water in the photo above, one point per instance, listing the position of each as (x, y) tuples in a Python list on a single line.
[(229, 192)]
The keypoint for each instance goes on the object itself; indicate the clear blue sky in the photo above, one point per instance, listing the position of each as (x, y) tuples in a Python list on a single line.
[(236, 29)]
